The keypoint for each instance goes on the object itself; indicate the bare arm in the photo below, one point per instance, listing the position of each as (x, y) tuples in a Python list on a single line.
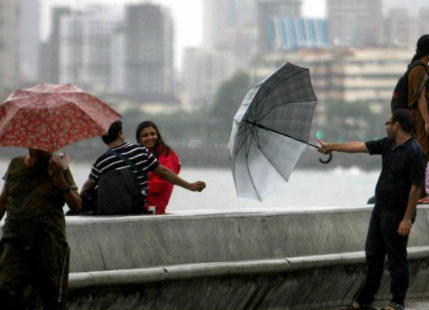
[(345, 147), (3, 202), (171, 177), (73, 200), (71, 197), (87, 186), (423, 108), (404, 227)]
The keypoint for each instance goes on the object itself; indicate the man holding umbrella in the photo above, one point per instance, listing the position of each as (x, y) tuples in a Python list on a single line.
[(397, 192)]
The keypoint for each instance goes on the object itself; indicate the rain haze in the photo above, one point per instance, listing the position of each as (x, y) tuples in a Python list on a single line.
[(187, 65)]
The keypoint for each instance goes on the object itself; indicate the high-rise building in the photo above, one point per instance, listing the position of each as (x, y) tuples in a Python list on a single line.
[(29, 38), (9, 43), (70, 49), (349, 78), (49, 69), (117, 56), (269, 9), (149, 57), (346, 75), (290, 33), (400, 29), (230, 27), (205, 71), (413, 7), (354, 23), (223, 19), (85, 47)]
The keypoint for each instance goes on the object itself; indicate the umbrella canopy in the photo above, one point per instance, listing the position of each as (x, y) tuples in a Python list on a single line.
[(270, 131), (48, 117)]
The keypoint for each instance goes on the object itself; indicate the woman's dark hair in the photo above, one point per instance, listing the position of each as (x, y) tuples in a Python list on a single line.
[(160, 146), (422, 47), (404, 119), (113, 132)]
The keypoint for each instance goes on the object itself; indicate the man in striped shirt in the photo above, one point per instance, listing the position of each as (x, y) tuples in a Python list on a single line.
[(136, 154)]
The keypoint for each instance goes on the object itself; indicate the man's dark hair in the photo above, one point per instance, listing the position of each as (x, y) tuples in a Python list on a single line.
[(113, 132), (404, 119)]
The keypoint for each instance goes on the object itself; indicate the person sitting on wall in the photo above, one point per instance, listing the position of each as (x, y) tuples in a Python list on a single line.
[(116, 172), (159, 190)]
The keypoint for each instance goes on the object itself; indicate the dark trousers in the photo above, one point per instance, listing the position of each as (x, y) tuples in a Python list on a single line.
[(383, 239)]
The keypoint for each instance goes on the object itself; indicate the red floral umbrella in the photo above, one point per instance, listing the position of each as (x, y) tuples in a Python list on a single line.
[(48, 117)]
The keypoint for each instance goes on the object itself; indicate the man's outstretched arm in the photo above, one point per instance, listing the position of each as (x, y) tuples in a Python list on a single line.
[(345, 147)]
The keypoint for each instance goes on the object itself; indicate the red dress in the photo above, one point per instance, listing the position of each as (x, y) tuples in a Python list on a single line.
[(159, 190)]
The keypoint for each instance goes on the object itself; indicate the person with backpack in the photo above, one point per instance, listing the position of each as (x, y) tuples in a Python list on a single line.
[(411, 93), (418, 99), (121, 175)]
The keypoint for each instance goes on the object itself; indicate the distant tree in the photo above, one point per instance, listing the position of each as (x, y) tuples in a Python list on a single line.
[(352, 121), (229, 96)]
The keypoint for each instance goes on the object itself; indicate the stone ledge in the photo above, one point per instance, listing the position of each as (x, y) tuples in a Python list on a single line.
[(79, 280)]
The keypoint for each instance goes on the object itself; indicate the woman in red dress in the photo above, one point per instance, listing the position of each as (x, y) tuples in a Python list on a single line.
[(159, 190)]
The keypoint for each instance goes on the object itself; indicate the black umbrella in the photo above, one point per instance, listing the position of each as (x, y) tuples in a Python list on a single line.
[(270, 131)]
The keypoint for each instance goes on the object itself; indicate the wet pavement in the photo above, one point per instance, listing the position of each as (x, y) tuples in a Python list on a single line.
[(417, 305), (413, 305)]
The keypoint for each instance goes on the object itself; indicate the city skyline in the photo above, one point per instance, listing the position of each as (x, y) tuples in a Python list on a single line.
[(187, 15), (236, 34)]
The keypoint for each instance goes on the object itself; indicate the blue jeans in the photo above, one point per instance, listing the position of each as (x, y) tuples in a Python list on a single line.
[(383, 239)]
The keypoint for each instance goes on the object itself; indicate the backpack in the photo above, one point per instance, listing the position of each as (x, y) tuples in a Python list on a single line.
[(400, 93), (118, 193)]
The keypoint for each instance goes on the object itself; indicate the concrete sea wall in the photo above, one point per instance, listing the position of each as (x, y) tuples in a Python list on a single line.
[(267, 259), (245, 260)]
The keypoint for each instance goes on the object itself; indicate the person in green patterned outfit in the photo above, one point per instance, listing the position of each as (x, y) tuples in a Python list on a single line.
[(34, 254)]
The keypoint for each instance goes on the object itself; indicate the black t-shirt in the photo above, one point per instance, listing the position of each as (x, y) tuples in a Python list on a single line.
[(403, 166)]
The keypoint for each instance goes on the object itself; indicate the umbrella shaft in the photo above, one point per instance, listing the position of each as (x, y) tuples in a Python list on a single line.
[(281, 133)]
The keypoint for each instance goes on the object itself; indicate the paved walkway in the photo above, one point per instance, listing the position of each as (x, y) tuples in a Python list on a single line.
[(413, 305), (417, 305)]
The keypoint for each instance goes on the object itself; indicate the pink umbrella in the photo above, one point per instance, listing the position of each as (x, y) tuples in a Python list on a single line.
[(48, 117)]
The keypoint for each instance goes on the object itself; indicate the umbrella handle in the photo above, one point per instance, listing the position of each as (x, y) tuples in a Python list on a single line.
[(326, 161)]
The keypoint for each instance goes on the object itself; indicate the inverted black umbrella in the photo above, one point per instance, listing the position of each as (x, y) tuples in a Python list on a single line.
[(270, 131)]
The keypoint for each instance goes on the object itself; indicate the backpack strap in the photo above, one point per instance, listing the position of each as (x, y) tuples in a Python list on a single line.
[(127, 161)]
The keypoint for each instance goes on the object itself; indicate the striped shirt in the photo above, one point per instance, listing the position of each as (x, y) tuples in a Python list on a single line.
[(136, 153)]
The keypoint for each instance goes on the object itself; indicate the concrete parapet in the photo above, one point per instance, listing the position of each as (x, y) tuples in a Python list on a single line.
[(80, 280), (100, 243), (270, 259)]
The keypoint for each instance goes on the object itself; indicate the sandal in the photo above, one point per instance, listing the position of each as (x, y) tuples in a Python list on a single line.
[(393, 306)]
